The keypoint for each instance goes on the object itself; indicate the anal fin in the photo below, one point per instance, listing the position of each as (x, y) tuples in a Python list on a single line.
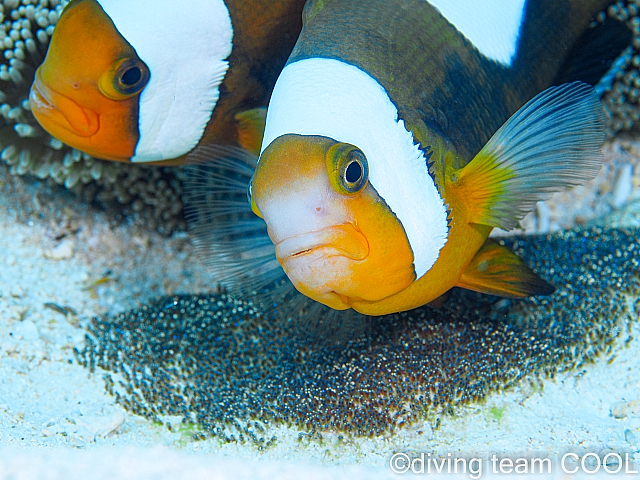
[(441, 300), (250, 128), (496, 270)]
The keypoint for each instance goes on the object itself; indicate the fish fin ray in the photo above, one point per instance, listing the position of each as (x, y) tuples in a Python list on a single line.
[(233, 242), (228, 236), (496, 270), (250, 128), (551, 143)]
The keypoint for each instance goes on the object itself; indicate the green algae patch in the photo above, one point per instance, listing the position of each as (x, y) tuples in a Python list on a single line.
[(497, 413)]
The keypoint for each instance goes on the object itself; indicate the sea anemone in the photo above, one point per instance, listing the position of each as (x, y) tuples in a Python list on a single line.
[(622, 87)]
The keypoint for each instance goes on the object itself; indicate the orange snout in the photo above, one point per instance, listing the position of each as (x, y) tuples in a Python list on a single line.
[(66, 97)]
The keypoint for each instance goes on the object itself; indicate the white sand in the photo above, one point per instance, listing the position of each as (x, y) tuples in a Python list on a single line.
[(47, 400)]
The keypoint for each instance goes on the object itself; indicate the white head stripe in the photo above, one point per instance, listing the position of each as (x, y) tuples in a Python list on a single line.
[(184, 44), (493, 26), (327, 97)]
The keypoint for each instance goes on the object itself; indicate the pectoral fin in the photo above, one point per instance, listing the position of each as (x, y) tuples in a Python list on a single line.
[(551, 143), (250, 128), (496, 270)]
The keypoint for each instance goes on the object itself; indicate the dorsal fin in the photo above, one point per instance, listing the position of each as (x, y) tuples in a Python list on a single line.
[(595, 52)]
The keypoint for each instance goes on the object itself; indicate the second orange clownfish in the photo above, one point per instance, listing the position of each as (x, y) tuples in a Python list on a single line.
[(149, 80)]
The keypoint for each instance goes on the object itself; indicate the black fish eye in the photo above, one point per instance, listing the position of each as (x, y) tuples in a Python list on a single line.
[(131, 76), (347, 168), (355, 171)]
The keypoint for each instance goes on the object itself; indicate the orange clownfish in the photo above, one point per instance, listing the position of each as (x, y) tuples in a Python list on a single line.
[(147, 81), (393, 149)]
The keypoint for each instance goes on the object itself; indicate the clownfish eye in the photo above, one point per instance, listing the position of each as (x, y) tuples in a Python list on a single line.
[(126, 78), (348, 168), (355, 170), (131, 77)]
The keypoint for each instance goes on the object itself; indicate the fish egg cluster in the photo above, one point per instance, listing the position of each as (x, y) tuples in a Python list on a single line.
[(151, 193), (233, 371)]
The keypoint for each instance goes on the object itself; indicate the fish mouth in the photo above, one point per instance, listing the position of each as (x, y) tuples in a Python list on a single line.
[(340, 240), (52, 108)]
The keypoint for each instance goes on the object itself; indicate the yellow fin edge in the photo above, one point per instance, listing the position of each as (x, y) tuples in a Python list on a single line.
[(250, 128), (496, 270)]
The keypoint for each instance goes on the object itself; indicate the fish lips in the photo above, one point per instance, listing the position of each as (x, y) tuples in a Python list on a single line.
[(340, 240), (320, 263), (53, 108)]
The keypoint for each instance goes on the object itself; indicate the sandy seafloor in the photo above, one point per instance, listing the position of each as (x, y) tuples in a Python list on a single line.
[(57, 421)]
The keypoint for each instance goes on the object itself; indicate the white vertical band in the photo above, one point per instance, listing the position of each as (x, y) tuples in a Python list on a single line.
[(493, 26), (330, 98), (185, 45)]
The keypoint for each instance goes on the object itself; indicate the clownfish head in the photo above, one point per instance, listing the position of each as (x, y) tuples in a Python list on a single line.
[(133, 81), (335, 237)]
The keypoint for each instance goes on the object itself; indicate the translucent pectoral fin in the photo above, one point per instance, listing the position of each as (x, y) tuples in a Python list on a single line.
[(229, 237), (496, 270), (250, 128), (236, 247), (551, 143)]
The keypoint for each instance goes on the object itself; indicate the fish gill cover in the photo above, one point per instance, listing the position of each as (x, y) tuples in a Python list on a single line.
[(233, 371)]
